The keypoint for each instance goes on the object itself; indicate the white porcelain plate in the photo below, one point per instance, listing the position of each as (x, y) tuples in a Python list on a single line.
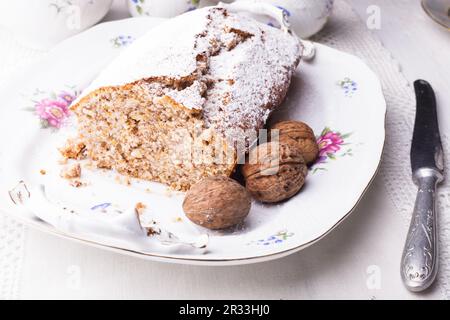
[(336, 93)]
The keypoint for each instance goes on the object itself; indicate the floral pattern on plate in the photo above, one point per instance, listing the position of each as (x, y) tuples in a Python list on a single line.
[(277, 238), (349, 86), (332, 144), (52, 108), (101, 206), (122, 41)]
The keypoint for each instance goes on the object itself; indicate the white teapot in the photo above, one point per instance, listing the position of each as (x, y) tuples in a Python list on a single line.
[(307, 17), (43, 23), (167, 8)]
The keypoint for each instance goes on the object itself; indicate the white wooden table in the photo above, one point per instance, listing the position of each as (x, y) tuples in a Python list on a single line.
[(421, 46), (351, 262)]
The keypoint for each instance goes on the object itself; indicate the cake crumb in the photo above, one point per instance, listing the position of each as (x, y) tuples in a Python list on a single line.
[(77, 183), (177, 219), (62, 161), (73, 149), (151, 232), (140, 208), (43, 172), (71, 172)]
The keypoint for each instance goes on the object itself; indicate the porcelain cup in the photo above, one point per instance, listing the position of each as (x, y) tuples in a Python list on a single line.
[(43, 23)]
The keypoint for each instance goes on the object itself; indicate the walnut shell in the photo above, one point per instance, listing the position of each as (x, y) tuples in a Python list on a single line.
[(296, 132), (217, 203), (269, 181)]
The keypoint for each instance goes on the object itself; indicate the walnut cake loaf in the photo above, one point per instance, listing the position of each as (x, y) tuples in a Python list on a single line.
[(174, 106)]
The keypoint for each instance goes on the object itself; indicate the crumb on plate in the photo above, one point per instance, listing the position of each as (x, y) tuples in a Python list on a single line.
[(77, 183), (140, 208), (73, 149), (71, 171)]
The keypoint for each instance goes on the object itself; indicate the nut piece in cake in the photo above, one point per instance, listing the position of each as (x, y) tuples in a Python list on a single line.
[(300, 135), (217, 203), (274, 172)]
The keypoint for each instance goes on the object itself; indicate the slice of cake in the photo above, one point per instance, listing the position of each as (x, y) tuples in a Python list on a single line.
[(177, 104)]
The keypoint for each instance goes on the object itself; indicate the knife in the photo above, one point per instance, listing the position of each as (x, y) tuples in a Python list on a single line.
[(420, 256)]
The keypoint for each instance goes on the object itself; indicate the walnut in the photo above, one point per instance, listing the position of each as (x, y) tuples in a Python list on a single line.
[(300, 134), (274, 172), (217, 203)]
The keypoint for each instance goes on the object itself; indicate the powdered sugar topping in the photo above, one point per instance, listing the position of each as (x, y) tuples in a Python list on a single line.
[(236, 69)]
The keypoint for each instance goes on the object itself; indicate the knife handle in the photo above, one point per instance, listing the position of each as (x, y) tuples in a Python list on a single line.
[(420, 255)]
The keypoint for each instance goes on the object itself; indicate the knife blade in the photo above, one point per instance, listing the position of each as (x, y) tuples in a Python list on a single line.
[(426, 147), (420, 254)]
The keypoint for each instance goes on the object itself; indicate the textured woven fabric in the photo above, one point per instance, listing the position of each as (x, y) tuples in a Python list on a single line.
[(12, 233), (348, 33), (345, 32)]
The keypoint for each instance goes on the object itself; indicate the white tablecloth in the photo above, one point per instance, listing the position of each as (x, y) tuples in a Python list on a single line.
[(358, 260)]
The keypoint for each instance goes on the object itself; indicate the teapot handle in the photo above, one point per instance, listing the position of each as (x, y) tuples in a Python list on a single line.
[(263, 8)]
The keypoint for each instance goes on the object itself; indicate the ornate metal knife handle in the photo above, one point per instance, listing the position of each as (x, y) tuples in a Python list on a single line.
[(420, 255)]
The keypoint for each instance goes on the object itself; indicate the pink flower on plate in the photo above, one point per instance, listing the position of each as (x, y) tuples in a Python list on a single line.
[(329, 144), (53, 113), (66, 96), (332, 144)]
